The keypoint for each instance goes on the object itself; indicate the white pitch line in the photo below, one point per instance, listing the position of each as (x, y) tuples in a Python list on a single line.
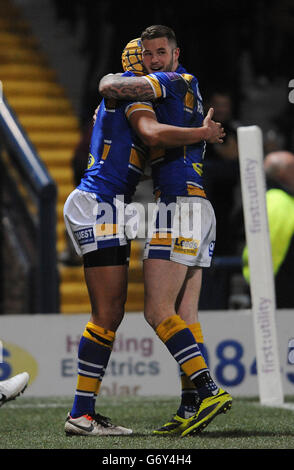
[(49, 405), (36, 405), (286, 406)]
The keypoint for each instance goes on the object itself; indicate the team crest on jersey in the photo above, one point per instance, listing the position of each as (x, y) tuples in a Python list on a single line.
[(91, 161), (198, 167), (186, 246)]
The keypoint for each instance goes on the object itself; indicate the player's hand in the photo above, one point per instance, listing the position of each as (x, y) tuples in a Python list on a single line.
[(95, 115), (215, 130)]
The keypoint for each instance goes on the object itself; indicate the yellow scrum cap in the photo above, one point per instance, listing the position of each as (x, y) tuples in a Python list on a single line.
[(132, 57)]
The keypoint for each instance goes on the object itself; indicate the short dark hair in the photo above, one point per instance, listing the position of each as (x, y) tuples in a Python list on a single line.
[(159, 31)]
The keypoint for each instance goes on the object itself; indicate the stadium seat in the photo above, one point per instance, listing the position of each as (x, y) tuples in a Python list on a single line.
[(46, 114)]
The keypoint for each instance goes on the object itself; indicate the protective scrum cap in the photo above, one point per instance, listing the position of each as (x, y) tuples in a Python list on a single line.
[(132, 57)]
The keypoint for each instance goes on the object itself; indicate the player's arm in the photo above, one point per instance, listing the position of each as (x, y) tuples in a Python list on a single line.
[(154, 134), (126, 88)]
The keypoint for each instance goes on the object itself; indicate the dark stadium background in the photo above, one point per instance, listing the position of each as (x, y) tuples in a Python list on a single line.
[(240, 48)]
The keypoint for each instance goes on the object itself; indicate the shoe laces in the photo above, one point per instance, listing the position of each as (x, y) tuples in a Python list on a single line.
[(102, 420)]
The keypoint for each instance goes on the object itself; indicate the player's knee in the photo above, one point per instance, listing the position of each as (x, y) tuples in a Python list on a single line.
[(108, 313), (110, 317), (115, 322), (149, 318), (118, 305), (155, 314)]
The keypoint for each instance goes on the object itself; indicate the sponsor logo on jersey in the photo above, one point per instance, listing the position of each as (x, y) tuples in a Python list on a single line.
[(85, 236), (186, 246)]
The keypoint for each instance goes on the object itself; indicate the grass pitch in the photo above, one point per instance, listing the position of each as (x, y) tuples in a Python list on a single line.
[(35, 423)]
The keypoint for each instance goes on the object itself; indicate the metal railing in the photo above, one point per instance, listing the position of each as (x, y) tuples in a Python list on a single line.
[(32, 173)]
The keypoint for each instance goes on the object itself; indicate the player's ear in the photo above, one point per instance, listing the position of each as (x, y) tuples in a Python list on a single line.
[(176, 53)]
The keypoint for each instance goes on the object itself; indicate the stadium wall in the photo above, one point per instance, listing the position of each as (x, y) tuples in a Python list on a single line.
[(46, 347)]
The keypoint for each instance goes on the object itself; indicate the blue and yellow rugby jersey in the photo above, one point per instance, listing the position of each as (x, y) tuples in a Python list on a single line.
[(177, 171), (116, 155)]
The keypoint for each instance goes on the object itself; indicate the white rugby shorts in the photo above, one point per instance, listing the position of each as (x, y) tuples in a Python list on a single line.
[(93, 223), (184, 230)]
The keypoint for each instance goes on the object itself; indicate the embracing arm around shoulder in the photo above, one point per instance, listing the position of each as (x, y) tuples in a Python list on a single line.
[(126, 88), (155, 134)]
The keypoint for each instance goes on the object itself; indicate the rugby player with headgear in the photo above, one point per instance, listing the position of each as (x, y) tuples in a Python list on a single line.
[(92, 212), (173, 264)]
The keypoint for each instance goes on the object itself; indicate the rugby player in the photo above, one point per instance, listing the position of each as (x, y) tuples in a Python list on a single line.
[(92, 215), (173, 264)]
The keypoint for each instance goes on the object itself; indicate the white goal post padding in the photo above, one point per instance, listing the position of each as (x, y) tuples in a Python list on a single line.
[(250, 147)]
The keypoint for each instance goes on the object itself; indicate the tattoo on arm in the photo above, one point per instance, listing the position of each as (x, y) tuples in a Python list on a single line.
[(126, 88)]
